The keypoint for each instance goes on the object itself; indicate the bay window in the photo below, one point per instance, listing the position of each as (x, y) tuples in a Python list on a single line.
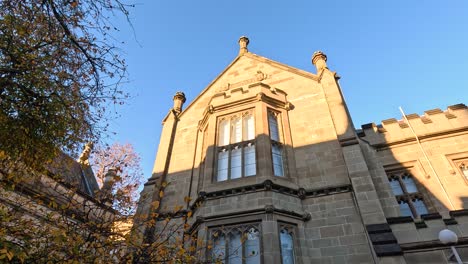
[(276, 146), (236, 147)]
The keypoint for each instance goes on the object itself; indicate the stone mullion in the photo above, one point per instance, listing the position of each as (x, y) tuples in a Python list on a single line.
[(407, 195), (243, 159), (263, 147), (211, 153), (288, 157)]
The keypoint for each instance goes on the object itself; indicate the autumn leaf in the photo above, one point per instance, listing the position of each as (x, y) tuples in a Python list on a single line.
[(155, 205)]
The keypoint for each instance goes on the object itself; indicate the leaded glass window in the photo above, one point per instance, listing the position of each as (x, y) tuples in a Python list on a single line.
[(276, 145), (287, 244), (462, 166), (236, 147), (407, 194), (238, 244)]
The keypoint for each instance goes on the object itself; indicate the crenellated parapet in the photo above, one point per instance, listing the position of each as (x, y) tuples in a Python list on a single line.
[(434, 122)]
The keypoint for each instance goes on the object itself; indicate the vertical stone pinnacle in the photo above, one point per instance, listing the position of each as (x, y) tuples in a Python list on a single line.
[(243, 43)]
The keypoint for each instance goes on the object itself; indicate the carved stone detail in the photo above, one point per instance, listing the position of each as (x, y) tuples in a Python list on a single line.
[(301, 193), (260, 76), (269, 209), (306, 217), (268, 185)]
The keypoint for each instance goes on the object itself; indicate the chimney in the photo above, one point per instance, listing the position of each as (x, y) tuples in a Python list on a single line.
[(179, 100), (319, 59), (243, 43)]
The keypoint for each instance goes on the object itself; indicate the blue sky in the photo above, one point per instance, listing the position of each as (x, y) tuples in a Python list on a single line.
[(412, 54)]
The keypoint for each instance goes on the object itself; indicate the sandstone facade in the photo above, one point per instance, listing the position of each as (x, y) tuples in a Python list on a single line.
[(294, 175)]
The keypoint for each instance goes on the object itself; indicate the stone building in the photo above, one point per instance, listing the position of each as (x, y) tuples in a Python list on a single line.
[(42, 212), (277, 173)]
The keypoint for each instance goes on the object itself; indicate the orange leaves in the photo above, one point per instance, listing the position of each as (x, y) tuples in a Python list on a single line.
[(155, 205), (5, 253)]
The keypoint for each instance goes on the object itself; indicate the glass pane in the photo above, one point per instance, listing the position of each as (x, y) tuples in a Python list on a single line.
[(252, 247), (287, 247), (235, 248), (249, 127), (219, 249), (420, 206), (223, 165), (464, 170), (236, 130), (249, 159), (236, 163), (277, 160), (409, 184), (405, 209), (223, 133), (273, 125), (396, 188)]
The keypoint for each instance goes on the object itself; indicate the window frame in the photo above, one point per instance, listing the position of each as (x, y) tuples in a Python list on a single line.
[(455, 159), (458, 163), (279, 142), (226, 231), (242, 145), (291, 229), (406, 196)]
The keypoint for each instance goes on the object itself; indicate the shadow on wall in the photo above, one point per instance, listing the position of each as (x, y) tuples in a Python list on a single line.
[(314, 176)]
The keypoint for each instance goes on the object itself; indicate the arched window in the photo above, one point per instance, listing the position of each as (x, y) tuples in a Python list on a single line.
[(235, 244), (287, 244), (407, 194)]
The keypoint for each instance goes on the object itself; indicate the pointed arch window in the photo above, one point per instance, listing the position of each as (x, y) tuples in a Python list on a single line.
[(462, 166), (407, 194), (236, 147), (286, 234), (238, 244)]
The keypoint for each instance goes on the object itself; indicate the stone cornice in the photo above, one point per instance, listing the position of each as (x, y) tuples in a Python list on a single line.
[(422, 138), (267, 209), (430, 245), (268, 185)]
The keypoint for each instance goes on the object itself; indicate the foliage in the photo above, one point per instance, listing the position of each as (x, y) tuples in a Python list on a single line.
[(59, 70), (126, 161), (58, 225), (42, 221)]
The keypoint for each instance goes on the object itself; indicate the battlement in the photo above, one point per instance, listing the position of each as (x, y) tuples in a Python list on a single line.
[(434, 122)]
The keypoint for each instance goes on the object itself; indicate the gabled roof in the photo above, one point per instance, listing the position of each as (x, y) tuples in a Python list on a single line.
[(253, 56), (68, 171)]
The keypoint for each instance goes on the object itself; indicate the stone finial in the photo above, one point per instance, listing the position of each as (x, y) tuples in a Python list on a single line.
[(243, 43), (110, 178), (83, 159), (179, 100), (319, 59)]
